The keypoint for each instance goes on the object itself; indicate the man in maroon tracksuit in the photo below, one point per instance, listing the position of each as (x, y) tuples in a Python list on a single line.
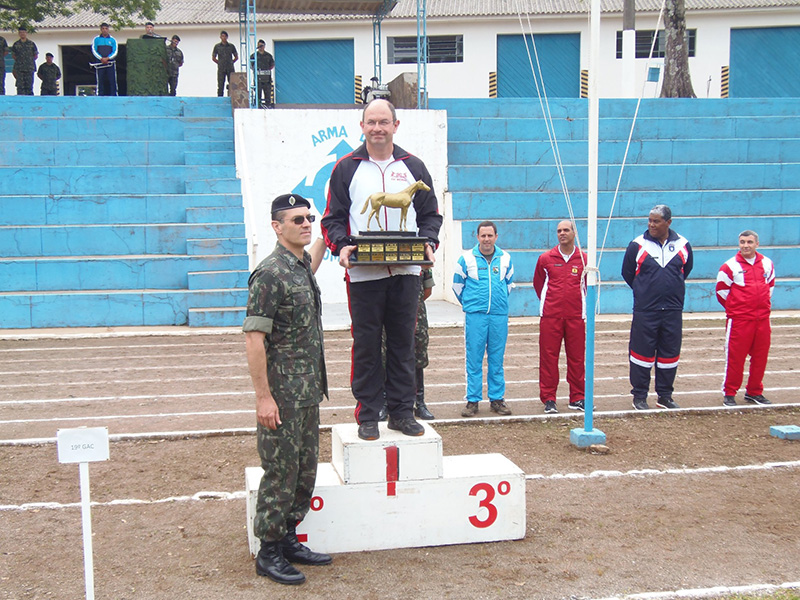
[(558, 281), (744, 288)]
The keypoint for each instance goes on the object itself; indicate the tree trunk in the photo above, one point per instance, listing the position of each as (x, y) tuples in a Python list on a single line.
[(677, 80)]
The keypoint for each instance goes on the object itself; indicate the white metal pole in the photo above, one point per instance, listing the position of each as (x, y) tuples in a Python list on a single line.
[(86, 516)]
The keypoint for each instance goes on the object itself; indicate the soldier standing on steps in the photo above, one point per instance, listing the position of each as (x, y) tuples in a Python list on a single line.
[(174, 63), (25, 54), (49, 73), (224, 54), (283, 333)]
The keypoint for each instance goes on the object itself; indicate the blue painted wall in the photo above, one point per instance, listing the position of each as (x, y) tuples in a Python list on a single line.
[(721, 165)]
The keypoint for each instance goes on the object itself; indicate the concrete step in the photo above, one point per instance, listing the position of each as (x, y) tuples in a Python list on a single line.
[(45, 209), (208, 132), (214, 280), (635, 177), (120, 106), (210, 157), (79, 240), (214, 246), (111, 308), (215, 214), (479, 206), (216, 317), (695, 151), (485, 129), (60, 181), (578, 108), (213, 186), (110, 272)]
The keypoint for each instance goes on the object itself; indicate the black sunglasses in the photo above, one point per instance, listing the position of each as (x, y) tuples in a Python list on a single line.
[(298, 220)]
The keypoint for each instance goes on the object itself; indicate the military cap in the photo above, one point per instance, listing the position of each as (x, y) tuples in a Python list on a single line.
[(288, 201), (49, 54)]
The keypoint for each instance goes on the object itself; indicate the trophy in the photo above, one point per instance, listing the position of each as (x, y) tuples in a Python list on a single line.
[(390, 247)]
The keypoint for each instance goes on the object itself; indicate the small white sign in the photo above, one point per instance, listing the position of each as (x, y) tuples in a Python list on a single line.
[(84, 444)]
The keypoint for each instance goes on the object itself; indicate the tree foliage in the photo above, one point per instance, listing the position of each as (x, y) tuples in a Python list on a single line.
[(677, 79), (120, 13)]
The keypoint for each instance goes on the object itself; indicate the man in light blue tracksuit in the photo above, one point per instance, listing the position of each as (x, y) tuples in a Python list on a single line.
[(482, 281)]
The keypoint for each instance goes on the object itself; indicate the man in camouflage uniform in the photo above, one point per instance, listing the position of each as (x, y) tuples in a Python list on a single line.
[(174, 62), (25, 54), (283, 330), (3, 52), (421, 344), (224, 54), (49, 73)]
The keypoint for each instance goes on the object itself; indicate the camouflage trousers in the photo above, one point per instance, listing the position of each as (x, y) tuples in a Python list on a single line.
[(24, 83), (289, 459)]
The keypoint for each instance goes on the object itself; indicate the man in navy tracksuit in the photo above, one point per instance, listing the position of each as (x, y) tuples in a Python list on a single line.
[(656, 265), (380, 297)]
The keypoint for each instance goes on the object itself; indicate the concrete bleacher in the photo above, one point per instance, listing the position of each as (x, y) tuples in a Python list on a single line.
[(721, 165), (119, 211)]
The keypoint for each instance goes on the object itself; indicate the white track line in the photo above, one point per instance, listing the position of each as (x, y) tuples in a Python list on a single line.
[(222, 432), (712, 592), (328, 406), (206, 495)]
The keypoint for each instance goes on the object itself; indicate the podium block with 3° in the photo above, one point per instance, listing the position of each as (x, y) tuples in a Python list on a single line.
[(401, 492)]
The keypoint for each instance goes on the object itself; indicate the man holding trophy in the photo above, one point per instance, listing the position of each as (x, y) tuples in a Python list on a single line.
[(382, 279)]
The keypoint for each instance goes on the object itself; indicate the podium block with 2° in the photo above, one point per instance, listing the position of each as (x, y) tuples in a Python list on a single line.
[(401, 492)]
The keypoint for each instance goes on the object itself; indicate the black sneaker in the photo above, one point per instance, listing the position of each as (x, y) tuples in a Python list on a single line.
[(406, 426), (577, 405), (500, 407), (470, 410), (756, 399), (665, 402), (550, 406), (729, 401), (368, 430), (640, 404)]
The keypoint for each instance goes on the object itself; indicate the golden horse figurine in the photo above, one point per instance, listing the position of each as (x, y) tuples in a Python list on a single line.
[(401, 200)]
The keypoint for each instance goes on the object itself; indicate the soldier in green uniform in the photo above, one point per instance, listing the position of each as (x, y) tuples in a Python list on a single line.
[(421, 345), (3, 52), (49, 73), (25, 54), (224, 54), (283, 332), (174, 63)]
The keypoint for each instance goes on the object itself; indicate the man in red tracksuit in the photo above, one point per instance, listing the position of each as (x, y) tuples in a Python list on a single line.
[(558, 281), (744, 288)]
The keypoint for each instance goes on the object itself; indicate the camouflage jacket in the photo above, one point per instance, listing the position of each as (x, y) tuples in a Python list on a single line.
[(225, 55), (174, 60), (49, 74), (3, 48), (24, 56), (285, 304)]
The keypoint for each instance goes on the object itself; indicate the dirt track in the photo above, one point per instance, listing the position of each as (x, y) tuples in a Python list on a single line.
[(587, 536)]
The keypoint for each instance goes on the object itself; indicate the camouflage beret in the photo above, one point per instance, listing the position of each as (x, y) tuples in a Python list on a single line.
[(288, 201)]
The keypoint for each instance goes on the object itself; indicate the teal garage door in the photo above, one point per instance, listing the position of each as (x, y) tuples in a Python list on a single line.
[(559, 59), (314, 72), (765, 63)]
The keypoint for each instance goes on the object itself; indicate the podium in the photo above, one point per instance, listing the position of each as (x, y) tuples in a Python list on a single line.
[(401, 492)]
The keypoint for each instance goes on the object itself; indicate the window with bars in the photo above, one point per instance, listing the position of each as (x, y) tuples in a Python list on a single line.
[(644, 41), (441, 49)]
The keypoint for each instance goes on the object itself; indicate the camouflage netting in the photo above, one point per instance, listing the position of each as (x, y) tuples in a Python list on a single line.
[(147, 68)]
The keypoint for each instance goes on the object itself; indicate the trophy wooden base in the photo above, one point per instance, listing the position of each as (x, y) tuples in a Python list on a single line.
[(381, 248)]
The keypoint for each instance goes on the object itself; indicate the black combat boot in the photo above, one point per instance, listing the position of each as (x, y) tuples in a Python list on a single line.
[(296, 552), (420, 410), (271, 563)]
